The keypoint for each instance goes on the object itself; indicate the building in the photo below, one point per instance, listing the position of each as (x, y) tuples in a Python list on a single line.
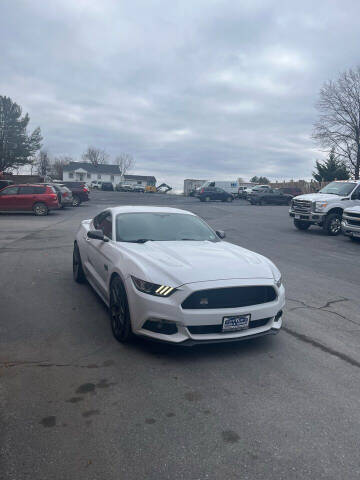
[(87, 172), (190, 185)]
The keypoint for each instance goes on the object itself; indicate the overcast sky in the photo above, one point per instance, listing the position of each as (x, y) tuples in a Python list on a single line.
[(205, 89)]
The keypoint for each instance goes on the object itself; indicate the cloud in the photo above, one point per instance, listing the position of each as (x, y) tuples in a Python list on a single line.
[(211, 89)]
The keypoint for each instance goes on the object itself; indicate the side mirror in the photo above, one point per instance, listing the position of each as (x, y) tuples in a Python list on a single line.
[(220, 233), (97, 235)]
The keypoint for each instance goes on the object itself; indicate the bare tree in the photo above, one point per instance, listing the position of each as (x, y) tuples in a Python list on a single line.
[(43, 163), (58, 164), (126, 162), (96, 156), (338, 126)]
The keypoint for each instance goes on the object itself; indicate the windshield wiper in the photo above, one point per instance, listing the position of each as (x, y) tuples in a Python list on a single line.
[(142, 240)]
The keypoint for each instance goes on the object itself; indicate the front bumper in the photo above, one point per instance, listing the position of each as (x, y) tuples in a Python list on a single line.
[(168, 311), (313, 217), (348, 229)]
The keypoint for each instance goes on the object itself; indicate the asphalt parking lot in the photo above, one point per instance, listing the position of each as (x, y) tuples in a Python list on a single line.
[(75, 404)]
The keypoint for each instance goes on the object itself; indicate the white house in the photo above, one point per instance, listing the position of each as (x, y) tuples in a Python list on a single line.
[(87, 172)]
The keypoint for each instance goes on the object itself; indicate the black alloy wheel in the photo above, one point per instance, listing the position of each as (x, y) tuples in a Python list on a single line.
[(119, 312), (332, 224)]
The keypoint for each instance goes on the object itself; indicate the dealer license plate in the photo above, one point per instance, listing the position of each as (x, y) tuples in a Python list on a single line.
[(235, 323), (297, 216)]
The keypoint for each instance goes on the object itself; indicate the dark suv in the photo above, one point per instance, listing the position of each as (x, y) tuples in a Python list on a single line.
[(276, 197), (79, 191), (214, 193)]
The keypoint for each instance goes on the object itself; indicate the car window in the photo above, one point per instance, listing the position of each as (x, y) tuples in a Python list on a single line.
[(28, 190), (106, 225), (132, 227), (338, 188), (9, 191)]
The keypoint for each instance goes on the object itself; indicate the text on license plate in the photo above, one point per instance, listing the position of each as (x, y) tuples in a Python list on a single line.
[(235, 322)]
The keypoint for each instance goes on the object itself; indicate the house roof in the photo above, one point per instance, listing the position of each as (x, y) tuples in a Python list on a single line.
[(89, 167), (147, 178)]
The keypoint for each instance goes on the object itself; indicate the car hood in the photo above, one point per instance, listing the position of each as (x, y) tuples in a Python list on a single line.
[(352, 209), (178, 263), (319, 197)]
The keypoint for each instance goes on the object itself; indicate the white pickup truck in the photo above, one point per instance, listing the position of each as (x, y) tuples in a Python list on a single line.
[(351, 222), (326, 207)]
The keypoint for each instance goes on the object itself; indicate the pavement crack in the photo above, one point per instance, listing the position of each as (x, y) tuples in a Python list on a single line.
[(322, 347), (323, 308)]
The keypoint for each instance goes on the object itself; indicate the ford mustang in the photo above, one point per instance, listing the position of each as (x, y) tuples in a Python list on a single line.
[(165, 274)]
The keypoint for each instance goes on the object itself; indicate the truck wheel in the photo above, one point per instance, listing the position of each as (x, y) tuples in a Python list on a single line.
[(332, 224), (301, 225)]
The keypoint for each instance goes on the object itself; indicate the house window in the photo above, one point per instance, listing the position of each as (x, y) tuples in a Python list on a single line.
[(112, 178), (139, 182), (99, 176), (88, 175), (71, 175)]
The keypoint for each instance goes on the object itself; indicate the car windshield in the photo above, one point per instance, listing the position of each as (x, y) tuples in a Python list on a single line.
[(338, 188), (142, 227)]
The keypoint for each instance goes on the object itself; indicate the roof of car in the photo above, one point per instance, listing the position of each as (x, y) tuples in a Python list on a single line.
[(147, 209)]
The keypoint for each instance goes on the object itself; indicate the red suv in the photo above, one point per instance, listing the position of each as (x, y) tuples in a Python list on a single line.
[(22, 198)]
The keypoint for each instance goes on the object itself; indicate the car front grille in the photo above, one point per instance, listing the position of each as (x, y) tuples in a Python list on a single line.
[(301, 206), (353, 222), (209, 329), (351, 214), (233, 297)]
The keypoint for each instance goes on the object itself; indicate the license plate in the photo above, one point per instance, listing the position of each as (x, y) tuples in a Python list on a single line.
[(235, 323), (356, 234), (297, 216)]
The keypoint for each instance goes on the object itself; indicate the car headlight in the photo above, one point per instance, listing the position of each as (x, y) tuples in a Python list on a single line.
[(319, 206), (153, 288)]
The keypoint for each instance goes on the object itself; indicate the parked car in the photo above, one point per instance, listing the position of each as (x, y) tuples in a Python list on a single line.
[(294, 191), (243, 192), (64, 194), (138, 188), (24, 198), (5, 183), (326, 207), (107, 186), (207, 290), (79, 190), (123, 187), (269, 196), (208, 194), (96, 184), (351, 222)]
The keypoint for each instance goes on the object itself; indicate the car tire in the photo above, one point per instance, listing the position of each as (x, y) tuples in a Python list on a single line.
[(119, 312), (76, 201), (207, 199), (332, 224), (78, 271), (40, 209), (301, 225), (262, 202)]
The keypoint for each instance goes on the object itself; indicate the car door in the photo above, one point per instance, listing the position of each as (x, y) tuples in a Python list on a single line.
[(99, 253), (26, 197), (8, 199)]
